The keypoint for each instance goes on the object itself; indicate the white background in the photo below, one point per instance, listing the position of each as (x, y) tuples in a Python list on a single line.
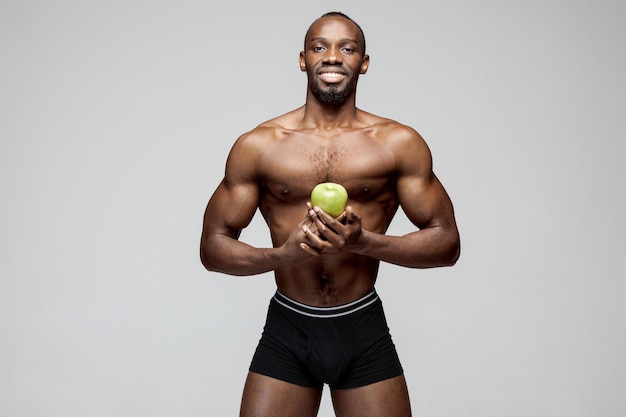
[(116, 120)]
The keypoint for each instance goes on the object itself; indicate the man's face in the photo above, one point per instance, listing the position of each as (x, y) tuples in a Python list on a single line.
[(333, 59)]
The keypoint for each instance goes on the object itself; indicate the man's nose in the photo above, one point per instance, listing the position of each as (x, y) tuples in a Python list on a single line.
[(332, 56)]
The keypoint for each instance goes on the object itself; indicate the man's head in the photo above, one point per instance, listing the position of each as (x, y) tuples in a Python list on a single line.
[(333, 57), (336, 14)]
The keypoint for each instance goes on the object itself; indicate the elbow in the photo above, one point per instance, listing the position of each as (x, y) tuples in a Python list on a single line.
[(451, 260), (449, 251), (210, 265), (209, 259), (214, 262), (205, 259), (453, 252)]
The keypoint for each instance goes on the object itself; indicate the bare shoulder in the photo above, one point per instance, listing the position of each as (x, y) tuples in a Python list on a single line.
[(403, 140), (267, 132), (251, 145)]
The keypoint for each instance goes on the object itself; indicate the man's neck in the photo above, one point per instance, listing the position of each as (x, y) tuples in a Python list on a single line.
[(328, 117)]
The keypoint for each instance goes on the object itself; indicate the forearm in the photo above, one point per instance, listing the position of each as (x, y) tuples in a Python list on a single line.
[(426, 248), (222, 253)]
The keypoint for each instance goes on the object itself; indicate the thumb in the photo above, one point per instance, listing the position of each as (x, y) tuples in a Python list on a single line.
[(351, 216)]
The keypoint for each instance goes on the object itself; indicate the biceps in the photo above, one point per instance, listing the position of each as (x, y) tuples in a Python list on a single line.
[(231, 209), (425, 201)]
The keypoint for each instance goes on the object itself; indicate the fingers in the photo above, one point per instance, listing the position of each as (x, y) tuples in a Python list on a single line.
[(315, 240), (327, 234), (351, 216), (325, 222), (331, 233), (314, 244), (309, 249)]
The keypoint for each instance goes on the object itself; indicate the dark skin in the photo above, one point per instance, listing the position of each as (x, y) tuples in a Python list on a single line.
[(317, 259)]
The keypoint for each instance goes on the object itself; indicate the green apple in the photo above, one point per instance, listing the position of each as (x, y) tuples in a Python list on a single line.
[(330, 197)]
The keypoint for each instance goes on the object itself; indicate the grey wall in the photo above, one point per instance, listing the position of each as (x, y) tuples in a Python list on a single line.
[(116, 121)]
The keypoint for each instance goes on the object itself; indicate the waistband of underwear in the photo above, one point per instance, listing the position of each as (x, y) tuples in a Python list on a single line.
[(326, 312)]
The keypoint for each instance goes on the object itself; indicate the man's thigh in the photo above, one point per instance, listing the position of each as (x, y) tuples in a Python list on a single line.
[(388, 398), (269, 397)]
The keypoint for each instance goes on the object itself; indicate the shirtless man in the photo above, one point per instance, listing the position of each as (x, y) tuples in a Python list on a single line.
[(325, 325)]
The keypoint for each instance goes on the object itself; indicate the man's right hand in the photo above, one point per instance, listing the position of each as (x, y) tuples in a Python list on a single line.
[(298, 247)]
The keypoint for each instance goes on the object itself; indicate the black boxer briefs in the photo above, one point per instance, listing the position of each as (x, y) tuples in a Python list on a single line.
[(346, 346)]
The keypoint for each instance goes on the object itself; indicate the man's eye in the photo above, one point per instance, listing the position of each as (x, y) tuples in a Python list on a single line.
[(318, 48), (348, 50)]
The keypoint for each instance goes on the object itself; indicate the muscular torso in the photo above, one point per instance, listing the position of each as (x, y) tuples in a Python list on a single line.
[(292, 162)]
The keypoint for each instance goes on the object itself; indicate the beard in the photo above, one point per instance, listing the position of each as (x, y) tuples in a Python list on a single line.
[(332, 96)]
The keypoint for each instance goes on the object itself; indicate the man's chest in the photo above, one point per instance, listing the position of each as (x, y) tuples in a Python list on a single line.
[(291, 168)]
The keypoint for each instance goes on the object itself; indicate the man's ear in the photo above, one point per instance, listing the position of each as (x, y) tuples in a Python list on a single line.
[(302, 63), (365, 64)]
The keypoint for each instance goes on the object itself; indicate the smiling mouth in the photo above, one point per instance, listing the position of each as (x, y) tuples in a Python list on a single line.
[(332, 77)]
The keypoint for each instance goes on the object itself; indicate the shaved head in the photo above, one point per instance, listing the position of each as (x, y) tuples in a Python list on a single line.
[(341, 15)]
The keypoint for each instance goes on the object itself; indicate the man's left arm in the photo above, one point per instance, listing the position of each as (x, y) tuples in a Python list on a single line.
[(426, 204), (435, 244)]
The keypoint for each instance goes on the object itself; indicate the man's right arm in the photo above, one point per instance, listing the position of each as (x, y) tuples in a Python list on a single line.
[(230, 210)]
